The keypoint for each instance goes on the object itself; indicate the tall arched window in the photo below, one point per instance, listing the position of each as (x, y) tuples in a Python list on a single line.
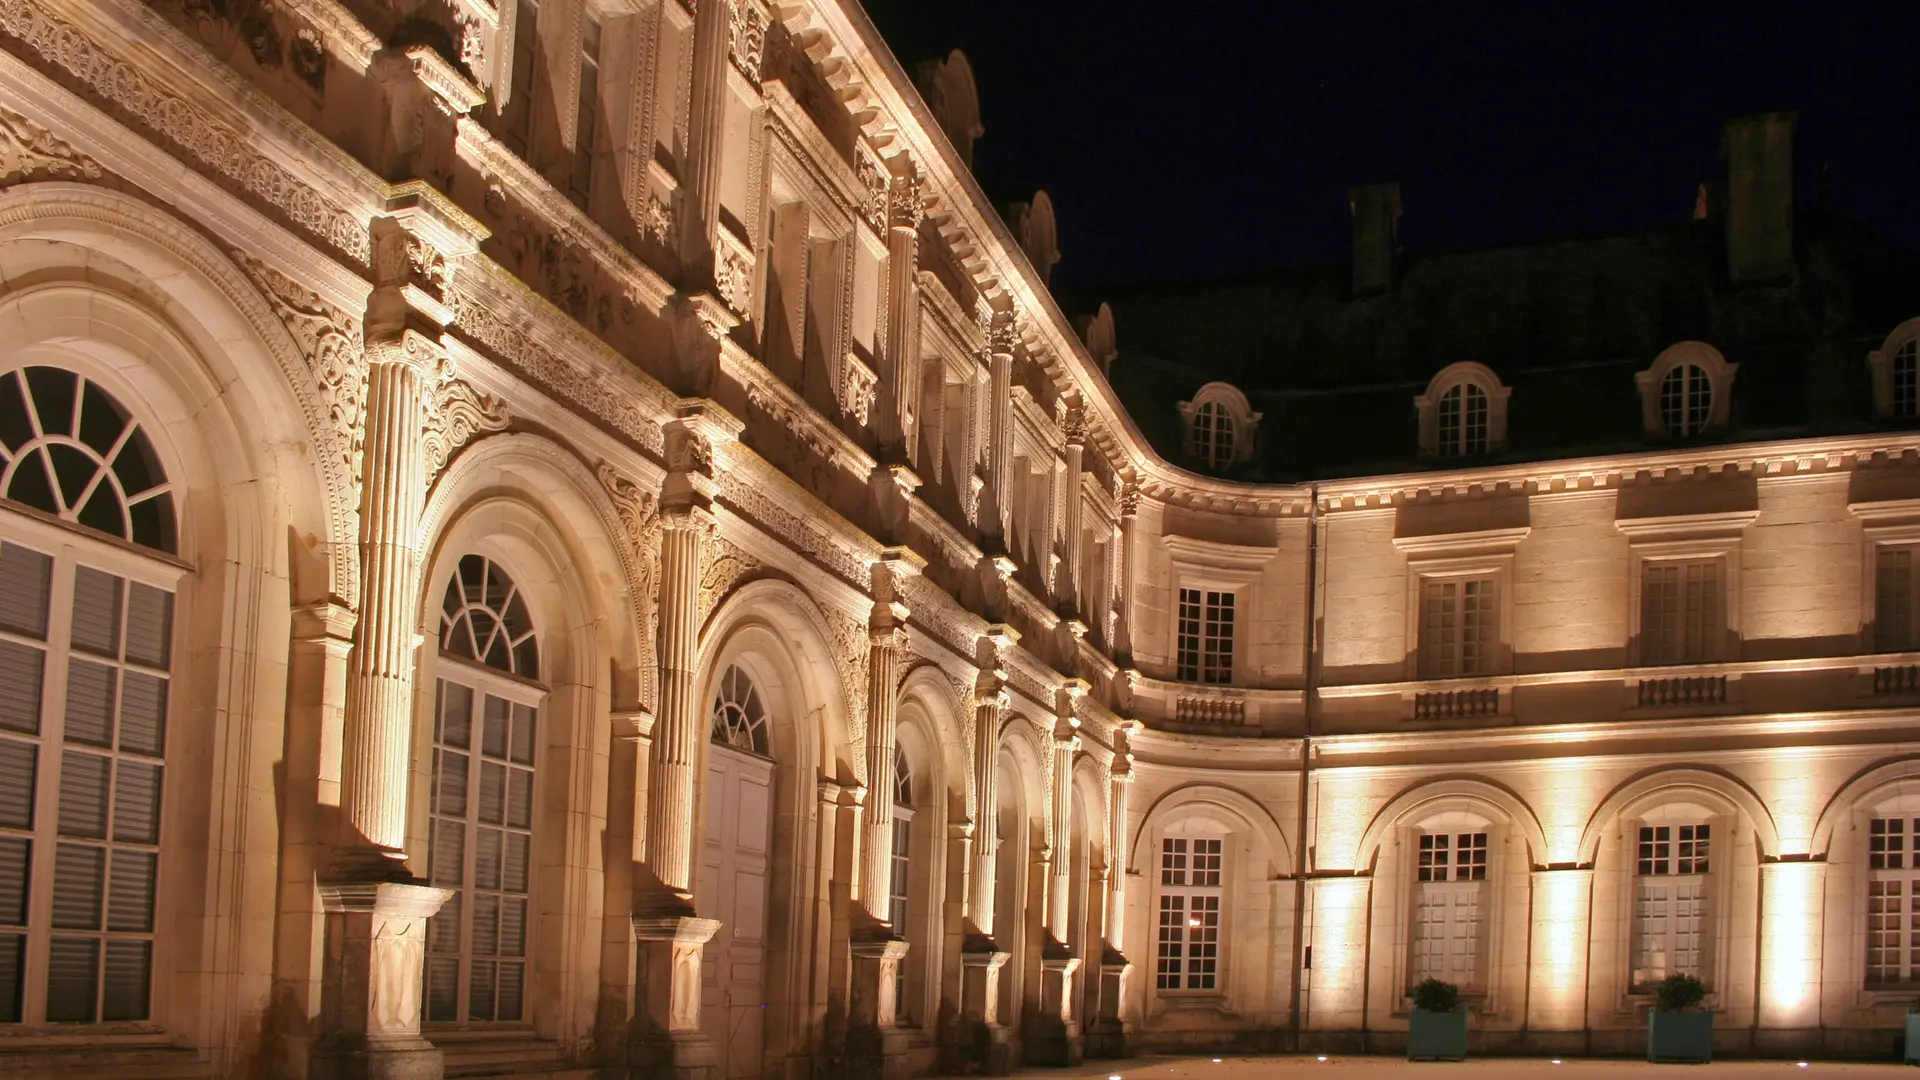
[(902, 866), (485, 739), (1686, 400), (1451, 909), (1463, 421), (1213, 435), (86, 654)]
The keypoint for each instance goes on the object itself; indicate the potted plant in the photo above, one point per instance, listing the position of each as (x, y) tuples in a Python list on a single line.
[(1678, 1029), (1438, 1028)]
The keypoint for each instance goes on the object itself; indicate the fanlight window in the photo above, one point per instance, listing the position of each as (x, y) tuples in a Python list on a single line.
[(69, 449), (484, 619), (902, 779), (1686, 400), (739, 717), (1906, 380), (1213, 435), (1463, 423)]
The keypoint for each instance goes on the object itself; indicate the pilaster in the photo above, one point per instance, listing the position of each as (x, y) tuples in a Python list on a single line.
[(899, 368), (994, 509), (1056, 1038), (1557, 974), (981, 957), (1067, 589), (1110, 1026), (1124, 574)]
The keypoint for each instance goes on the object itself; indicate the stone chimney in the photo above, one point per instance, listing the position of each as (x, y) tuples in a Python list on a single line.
[(1376, 237), (1758, 151)]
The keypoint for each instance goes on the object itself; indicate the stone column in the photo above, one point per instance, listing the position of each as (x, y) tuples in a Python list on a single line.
[(1056, 1037), (377, 909), (1107, 1030), (899, 368), (1124, 575), (668, 1041), (981, 957), (994, 511), (1067, 589), (1792, 933), (699, 212)]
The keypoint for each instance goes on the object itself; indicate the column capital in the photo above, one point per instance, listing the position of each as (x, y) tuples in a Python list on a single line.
[(679, 929), (325, 621), (906, 196), (632, 725), (1129, 500), (403, 899)]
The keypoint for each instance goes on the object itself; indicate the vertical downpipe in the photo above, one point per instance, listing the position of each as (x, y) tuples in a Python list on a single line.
[(1309, 701)]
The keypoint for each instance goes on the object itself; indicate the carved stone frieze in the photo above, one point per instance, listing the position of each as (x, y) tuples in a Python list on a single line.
[(31, 152), (747, 37), (455, 413), (850, 656), (908, 202), (226, 152), (859, 385), (721, 568), (623, 408), (756, 497), (873, 187)]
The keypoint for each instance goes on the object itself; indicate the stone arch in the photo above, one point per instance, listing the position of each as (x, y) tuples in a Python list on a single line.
[(930, 736), (1256, 819), (1863, 785), (1020, 739), (1468, 790), (1090, 805), (929, 702), (244, 354), (136, 301), (1721, 789)]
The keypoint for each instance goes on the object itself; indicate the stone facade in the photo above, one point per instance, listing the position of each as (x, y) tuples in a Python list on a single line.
[(566, 539)]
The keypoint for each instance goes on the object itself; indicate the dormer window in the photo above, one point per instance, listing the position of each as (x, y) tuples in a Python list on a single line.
[(1220, 425), (1463, 412), (1895, 368), (1687, 390)]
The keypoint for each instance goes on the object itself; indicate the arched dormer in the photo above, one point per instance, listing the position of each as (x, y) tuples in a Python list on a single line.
[(1218, 426), (1687, 389), (1895, 368), (954, 100), (1463, 412), (1039, 233)]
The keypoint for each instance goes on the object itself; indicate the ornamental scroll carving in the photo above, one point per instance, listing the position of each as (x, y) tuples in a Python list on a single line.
[(455, 413), (29, 151), (873, 187), (851, 647), (330, 342), (861, 386), (747, 32), (721, 567), (640, 520), (220, 149)]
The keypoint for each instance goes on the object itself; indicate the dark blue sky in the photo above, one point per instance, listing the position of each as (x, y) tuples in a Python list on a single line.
[(1207, 138)]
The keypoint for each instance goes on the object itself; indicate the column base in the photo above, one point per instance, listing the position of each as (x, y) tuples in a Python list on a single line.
[(1108, 1034), (1050, 1040), (373, 980), (684, 1055), (878, 1054)]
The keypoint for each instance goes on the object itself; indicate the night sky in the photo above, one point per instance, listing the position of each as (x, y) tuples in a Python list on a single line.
[(1208, 139)]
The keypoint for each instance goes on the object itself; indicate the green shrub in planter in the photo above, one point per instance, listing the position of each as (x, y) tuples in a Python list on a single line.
[(1438, 1027), (1677, 1028)]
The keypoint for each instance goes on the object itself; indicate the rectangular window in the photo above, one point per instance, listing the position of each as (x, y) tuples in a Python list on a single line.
[(1205, 637), (1670, 902), (1187, 953), (1680, 612), (1459, 627), (1893, 600), (587, 122), (1448, 908), (1893, 903)]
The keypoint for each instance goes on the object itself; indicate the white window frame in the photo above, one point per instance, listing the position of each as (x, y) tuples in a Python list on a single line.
[(1452, 815), (1485, 554), (900, 908), (1687, 538), (1456, 376), (1214, 895), (1891, 525), (1665, 871), (1238, 411), (1907, 875), (1881, 365), (71, 546), (1714, 366), (1209, 566)]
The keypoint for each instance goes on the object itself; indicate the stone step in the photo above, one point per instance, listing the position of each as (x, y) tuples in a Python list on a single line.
[(105, 1063), (505, 1057)]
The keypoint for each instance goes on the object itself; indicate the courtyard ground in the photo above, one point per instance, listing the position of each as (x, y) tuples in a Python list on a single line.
[(1368, 1068)]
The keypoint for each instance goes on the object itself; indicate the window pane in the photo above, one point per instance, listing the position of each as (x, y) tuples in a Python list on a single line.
[(79, 873), (23, 670), (26, 577), (513, 874), (129, 969), (90, 697), (523, 735), (443, 989), (449, 852), (136, 803), (486, 860), (13, 965), (494, 737), (15, 857), (493, 792), (73, 972), (17, 768), (149, 625), (520, 799), (83, 795), (96, 612), (456, 714), (143, 713), (130, 902)]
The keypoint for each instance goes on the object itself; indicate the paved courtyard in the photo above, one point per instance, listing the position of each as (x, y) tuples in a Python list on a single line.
[(1365, 1068)]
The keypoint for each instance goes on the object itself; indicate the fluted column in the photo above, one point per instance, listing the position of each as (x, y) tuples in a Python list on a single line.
[(1067, 589), (899, 367), (1123, 575), (706, 136), (994, 515), (678, 731), (1055, 1038), (981, 957)]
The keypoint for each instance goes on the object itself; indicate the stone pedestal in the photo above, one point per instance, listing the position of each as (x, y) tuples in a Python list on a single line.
[(990, 1042), (1054, 1035), (876, 1044), (370, 1007), (1107, 1033), (667, 1043)]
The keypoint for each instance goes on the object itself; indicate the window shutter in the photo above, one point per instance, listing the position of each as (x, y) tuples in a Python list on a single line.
[(83, 795), (143, 713), (136, 803), (513, 876), (130, 900), (96, 612), (493, 792), (486, 860), (90, 694), (149, 625), (73, 971), (79, 873), (17, 768), (23, 670), (26, 578), (16, 854), (13, 965), (124, 995)]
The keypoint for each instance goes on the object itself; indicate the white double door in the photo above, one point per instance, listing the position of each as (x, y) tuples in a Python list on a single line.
[(734, 856)]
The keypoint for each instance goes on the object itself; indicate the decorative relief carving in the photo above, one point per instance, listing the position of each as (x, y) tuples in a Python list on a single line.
[(909, 201), (394, 961), (733, 273), (873, 187), (640, 556), (752, 497), (721, 567), (850, 656), (656, 219), (455, 413), (226, 152), (858, 388), (747, 30), (29, 151), (622, 407), (1130, 500)]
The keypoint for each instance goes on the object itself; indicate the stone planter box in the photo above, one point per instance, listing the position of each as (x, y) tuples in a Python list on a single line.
[(1680, 1036), (1911, 1054), (1437, 1036)]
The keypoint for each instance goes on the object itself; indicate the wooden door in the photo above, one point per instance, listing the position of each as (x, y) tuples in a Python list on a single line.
[(733, 889)]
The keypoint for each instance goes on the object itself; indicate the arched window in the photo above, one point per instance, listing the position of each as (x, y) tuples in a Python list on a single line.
[(1187, 943), (1686, 400), (739, 718), (1450, 901), (86, 654), (1906, 380), (485, 741), (69, 449), (1463, 421), (902, 866), (1213, 435)]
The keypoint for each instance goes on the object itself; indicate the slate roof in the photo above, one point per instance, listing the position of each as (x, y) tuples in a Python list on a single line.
[(1565, 323)]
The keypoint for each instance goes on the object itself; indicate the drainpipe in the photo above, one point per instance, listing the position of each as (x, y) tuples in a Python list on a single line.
[(1309, 701)]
